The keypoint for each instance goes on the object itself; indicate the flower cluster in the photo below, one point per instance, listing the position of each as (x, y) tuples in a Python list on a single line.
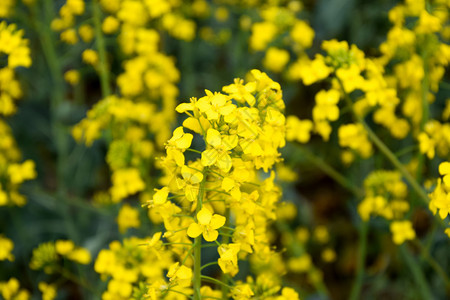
[(268, 34), (440, 197), (218, 195), (128, 263), (12, 171), (47, 256), (10, 290)]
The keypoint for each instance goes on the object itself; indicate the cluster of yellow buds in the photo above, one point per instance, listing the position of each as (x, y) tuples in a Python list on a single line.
[(47, 256)]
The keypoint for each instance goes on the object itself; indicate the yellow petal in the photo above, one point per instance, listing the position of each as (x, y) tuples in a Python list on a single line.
[(177, 133), (224, 162), (184, 107), (192, 124), (230, 141), (228, 184), (203, 104), (227, 109), (197, 177), (210, 235), (185, 141), (209, 157), (217, 221), (204, 216), (161, 195), (219, 100), (194, 230), (213, 137), (444, 168), (191, 192)]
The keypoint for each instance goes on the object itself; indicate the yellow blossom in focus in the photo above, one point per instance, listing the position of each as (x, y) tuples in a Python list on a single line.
[(207, 225)]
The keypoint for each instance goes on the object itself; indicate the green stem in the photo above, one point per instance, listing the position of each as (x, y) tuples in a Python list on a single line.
[(209, 264), (213, 280), (433, 263), (359, 280), (425, 115), (417, 273), (330, 171), (100, 44), (386, 151), (197, 281)]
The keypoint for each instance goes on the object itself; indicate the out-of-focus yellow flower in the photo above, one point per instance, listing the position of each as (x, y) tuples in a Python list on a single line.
[(128, 218), (110, 25), (276, 59), (402, 231), (72, 77)]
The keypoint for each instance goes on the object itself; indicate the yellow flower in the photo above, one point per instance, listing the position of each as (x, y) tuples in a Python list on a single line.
[(262, 34), (110, 25), (276, 59), (298, 130), (64, 247), (300, 264), (207, 225), (402, 231), (302, 34), (80, 255), (20, 172), (48, 290), (427, 145), (128, 218), (86, 33), (180, 274), (218, 150), (72, 77), (215, 105), (160, 197), (228, 260), (326, 105), (6, 246), (190, 182), (444, 170), (90, 57), (69, 36)]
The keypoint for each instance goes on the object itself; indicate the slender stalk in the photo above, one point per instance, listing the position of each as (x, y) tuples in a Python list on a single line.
[(417, 273), (386, 151), (197, 281), (213, 263), (213, 280), (425, 114), (359, 280), (330, 171), (433, 263), (101, 48)]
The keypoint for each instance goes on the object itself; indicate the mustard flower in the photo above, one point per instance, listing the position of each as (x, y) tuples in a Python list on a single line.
[(207, 224)]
